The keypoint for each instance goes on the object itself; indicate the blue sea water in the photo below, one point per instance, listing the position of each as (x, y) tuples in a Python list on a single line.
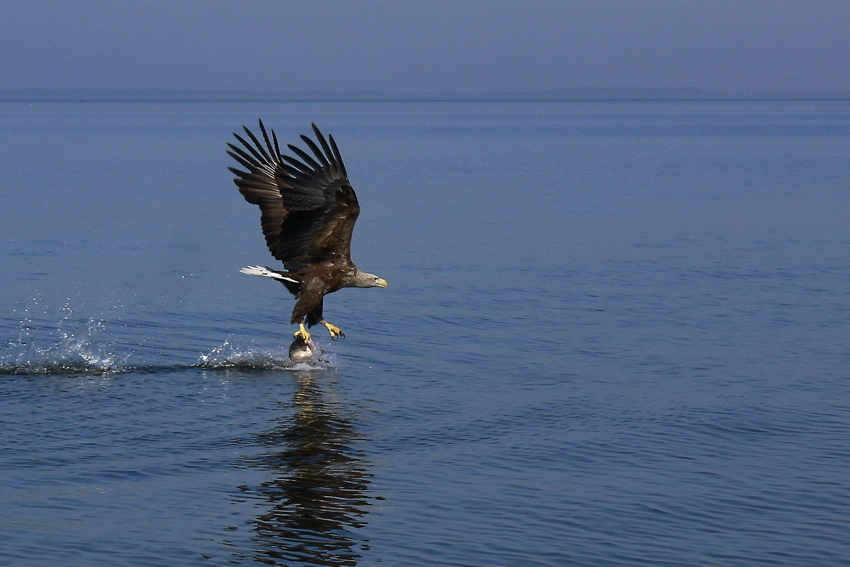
[(615, 333)]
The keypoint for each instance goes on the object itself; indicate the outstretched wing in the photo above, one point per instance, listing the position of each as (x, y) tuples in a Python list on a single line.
[(308, 208)]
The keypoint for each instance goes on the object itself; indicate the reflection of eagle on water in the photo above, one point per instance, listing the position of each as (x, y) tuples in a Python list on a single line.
[(316, 493), (308, 212)]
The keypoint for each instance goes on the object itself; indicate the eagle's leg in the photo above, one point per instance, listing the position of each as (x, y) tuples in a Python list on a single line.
[(333, 329), (302, 332)]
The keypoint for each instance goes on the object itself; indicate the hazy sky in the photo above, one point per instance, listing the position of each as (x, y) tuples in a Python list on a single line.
[(723, 46)]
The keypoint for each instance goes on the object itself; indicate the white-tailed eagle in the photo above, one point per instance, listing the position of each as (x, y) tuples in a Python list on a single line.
[(308, 210)]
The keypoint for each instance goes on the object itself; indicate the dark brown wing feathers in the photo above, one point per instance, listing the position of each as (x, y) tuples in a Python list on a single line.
[(308, 208)]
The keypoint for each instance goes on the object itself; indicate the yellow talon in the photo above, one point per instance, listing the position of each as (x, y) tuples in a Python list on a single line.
[(302, 332), (334, 330)]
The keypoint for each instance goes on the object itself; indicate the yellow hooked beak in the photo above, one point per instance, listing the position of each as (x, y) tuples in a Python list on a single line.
[(380, 282)]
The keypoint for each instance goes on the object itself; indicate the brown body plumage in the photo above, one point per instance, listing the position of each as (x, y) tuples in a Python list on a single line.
[(308, 210)]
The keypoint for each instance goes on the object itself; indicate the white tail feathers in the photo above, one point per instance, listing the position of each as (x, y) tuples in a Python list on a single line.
[(266, 273)]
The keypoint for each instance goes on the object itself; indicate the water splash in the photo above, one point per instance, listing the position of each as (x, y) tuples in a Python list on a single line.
[(75, 352), (252, 356)]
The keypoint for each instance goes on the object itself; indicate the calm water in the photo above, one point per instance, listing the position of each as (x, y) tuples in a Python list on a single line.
[(615, 334)]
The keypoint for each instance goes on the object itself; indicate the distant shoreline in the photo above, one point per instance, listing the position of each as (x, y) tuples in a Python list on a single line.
[(574, 95)]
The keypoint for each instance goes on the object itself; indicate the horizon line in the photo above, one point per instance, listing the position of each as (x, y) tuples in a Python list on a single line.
[(591, 94)]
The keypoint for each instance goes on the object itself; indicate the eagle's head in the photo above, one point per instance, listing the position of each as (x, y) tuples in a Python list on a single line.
[(364, 279)]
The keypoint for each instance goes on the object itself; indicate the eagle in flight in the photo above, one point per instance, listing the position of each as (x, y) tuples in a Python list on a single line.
[(308, 210)]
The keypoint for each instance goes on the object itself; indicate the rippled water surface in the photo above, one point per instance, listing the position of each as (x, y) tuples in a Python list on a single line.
[(615, 334)]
